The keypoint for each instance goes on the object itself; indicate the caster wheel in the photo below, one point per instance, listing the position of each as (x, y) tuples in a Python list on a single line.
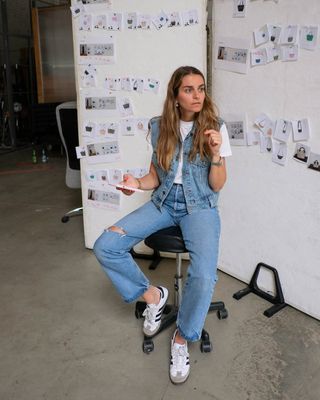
[(205, 346), (64, 219), (222, 314), (147, 346)]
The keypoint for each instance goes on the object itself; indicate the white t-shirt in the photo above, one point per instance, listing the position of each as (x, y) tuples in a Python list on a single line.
[(185, 128)]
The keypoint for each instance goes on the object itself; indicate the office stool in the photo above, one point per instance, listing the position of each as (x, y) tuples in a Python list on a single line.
[(170, 240)]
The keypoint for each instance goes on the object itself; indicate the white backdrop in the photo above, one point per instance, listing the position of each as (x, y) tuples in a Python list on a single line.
[(271, 213), (139, 53)]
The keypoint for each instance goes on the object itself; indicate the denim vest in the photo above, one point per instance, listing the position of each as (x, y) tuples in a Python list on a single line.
[(195, 173)]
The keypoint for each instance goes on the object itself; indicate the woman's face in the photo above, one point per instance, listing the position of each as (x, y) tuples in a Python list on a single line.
[(191, 96)]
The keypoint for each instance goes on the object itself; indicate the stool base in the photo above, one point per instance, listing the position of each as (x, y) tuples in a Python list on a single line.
[(169, 317)]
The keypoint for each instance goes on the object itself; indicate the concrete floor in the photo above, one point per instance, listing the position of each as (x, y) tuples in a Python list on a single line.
[(65, 333)]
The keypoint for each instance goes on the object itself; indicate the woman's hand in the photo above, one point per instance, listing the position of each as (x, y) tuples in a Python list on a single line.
[(214, 141), (129, 180)]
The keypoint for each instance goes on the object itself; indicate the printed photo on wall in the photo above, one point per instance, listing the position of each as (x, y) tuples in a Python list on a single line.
[(232, 54), (101, 103), (301, 153), (279, 153), (301, 130), (237, 129), (239, 8), (160, 20), (283, 130), (314, 161)]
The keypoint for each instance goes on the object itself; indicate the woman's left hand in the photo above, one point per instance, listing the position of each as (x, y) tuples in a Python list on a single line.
[(214, 141)]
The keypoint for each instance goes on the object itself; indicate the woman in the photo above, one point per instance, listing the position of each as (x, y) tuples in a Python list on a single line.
[(186, 173)]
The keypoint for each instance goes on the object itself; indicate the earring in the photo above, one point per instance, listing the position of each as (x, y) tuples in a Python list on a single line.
[(177, 104)]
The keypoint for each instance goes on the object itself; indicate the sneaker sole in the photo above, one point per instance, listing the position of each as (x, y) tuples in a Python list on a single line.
[(178, 382)]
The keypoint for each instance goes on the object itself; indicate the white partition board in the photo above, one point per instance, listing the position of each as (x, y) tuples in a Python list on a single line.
[(139, 53), (271, 213)]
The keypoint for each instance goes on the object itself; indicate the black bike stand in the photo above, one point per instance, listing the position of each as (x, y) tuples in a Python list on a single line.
[(253, 287)]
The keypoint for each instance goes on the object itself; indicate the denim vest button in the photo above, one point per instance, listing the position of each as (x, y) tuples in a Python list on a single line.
[(163, 192)]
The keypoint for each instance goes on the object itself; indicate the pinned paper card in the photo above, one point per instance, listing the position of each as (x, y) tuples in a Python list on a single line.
[(309, 37), (115, 176), (130, 20), (289, 53), (77, 10), (283, 130), (190, 17), (114, 21), (125, 107), (289, 34), (105, 3), (144, 21), (302, 152), (258, 57), (113, 84), (236, 126), (106, 130), (239, 8), (103, 198), (174, 19), (261, 35), (265, 143), (152, 85), (274, 32), (91, 175), (232, 54), (85, 22), (127, 83), (141, 125), (97, 50), (89, 129), (138, 85), (100, 22), (102, 151), (273, 53), (253, 138), (301, 129), (87, 80), (314, 161), (279, 153), (265, 124), (160, 20), (81, 151), (101, 103), (128, 127)]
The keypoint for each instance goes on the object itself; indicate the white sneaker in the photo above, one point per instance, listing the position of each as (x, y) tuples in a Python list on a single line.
[(179, 363), (153, 313)]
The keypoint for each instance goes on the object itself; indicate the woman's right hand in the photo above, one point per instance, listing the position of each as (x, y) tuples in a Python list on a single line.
[(129, 180)]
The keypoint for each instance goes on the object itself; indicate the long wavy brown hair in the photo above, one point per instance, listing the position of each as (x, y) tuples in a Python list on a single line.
[(169, 136)]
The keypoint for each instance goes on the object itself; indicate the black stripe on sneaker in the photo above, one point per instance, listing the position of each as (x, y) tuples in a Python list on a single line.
[(161, 292)]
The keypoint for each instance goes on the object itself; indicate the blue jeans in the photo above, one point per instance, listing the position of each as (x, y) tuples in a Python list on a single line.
[(201, 232)]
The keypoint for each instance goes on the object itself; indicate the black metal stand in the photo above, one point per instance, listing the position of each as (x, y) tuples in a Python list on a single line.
[(277, 300)]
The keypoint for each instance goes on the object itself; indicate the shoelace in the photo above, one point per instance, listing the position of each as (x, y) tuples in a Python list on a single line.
[(179, 357), (150, 312)]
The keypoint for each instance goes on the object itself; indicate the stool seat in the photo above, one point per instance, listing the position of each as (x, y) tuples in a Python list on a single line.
[(168, 239)]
